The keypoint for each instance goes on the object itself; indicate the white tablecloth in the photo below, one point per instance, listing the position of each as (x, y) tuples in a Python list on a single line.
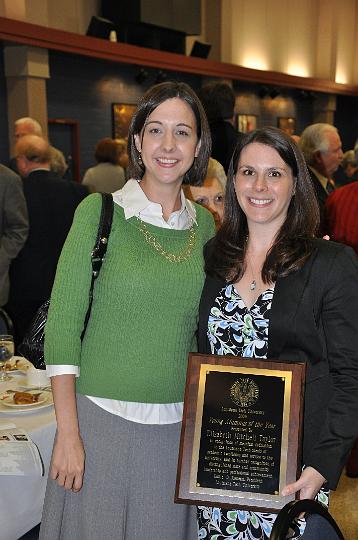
[(21, 497)]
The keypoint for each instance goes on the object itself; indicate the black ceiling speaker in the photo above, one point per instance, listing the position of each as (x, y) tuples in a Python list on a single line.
[(100, 28), (200, 50), (180, 15)]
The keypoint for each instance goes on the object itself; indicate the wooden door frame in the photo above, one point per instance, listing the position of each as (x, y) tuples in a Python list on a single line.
[(75, 150)]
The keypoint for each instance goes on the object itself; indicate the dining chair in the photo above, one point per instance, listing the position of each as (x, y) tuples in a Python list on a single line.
[(320, 523), (6, 325)]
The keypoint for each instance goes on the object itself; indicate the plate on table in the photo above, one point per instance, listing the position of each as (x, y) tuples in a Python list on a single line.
[(18, 364), (8, 405)]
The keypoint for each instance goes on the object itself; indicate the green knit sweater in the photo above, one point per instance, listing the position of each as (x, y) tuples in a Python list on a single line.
[(144, 312)]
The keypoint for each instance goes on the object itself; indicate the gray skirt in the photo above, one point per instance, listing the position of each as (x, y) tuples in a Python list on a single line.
[(128, 485)]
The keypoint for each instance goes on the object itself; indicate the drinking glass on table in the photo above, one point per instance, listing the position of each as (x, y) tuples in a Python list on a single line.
[(6, 353)]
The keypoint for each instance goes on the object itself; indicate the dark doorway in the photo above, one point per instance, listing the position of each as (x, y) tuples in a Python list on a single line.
[(64, 135)]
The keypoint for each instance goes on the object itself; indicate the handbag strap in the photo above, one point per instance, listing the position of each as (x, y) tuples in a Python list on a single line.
[(100, 248), (292, 510)]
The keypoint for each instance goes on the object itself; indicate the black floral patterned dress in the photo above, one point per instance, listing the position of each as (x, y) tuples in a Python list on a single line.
[(235, 329)]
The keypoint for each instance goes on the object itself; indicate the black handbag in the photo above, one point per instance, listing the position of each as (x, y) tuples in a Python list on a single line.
[(32, 346), (327, 528)]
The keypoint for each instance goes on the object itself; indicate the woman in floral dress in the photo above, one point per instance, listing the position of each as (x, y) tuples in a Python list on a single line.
[(275, 291)]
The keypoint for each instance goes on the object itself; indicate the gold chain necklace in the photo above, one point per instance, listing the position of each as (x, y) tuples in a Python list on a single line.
[(152, 241)]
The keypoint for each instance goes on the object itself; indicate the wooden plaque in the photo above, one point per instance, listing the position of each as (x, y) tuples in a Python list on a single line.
[(241, 433)]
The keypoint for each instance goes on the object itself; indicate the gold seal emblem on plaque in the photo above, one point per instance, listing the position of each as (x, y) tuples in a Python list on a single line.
[(244, 392)]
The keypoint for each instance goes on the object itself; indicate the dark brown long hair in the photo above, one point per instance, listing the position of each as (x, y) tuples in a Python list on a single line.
[(152, 98), (293, 242)]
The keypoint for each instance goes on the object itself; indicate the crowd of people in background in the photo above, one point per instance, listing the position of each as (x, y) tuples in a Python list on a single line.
[(51, 202), (320, 143), (38, 202)]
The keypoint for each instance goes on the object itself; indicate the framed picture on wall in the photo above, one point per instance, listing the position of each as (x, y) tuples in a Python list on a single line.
[(287, 124), (121, 117), (246, 122)]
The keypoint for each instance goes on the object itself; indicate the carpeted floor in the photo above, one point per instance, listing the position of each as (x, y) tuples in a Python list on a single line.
[(344, 508)]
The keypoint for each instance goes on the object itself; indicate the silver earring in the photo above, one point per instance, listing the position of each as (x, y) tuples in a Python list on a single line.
[(140, 158)]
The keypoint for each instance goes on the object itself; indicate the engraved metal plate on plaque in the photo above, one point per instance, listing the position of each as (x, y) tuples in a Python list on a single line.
[(241, 430)]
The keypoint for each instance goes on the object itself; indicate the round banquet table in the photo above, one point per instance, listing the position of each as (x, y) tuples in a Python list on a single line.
[(21, 497)]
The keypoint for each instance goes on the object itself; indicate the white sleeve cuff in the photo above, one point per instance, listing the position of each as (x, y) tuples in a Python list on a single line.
[(53, 370)]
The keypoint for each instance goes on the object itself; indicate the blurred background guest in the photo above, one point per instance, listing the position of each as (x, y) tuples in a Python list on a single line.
[(349, 168), (13, 225), (58, 163), (24, 126), (51, 203), (322, 150), (296, 138), (107, 176), (123, 152), (30, 126), (27, 126), (211, 193), (342, 215), (219, 103)]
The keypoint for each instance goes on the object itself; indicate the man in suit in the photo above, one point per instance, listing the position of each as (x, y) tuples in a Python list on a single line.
[(219, 103), (322, 149), (51, 203), (13, 225), (30, 126)]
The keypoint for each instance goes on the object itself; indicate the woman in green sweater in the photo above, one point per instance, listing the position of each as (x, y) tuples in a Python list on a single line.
[(118, 393)]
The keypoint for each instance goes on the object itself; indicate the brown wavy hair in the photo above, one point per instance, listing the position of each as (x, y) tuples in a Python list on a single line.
[(107, 151), (293, 243), (152, 98)]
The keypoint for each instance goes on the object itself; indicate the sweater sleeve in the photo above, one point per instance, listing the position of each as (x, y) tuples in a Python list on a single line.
[(70, 293)]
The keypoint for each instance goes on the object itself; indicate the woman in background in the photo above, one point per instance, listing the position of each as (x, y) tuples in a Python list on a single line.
[(123, 153), (115, 455), (275, 291), (211, 193), (107, 176), (348, 170)]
